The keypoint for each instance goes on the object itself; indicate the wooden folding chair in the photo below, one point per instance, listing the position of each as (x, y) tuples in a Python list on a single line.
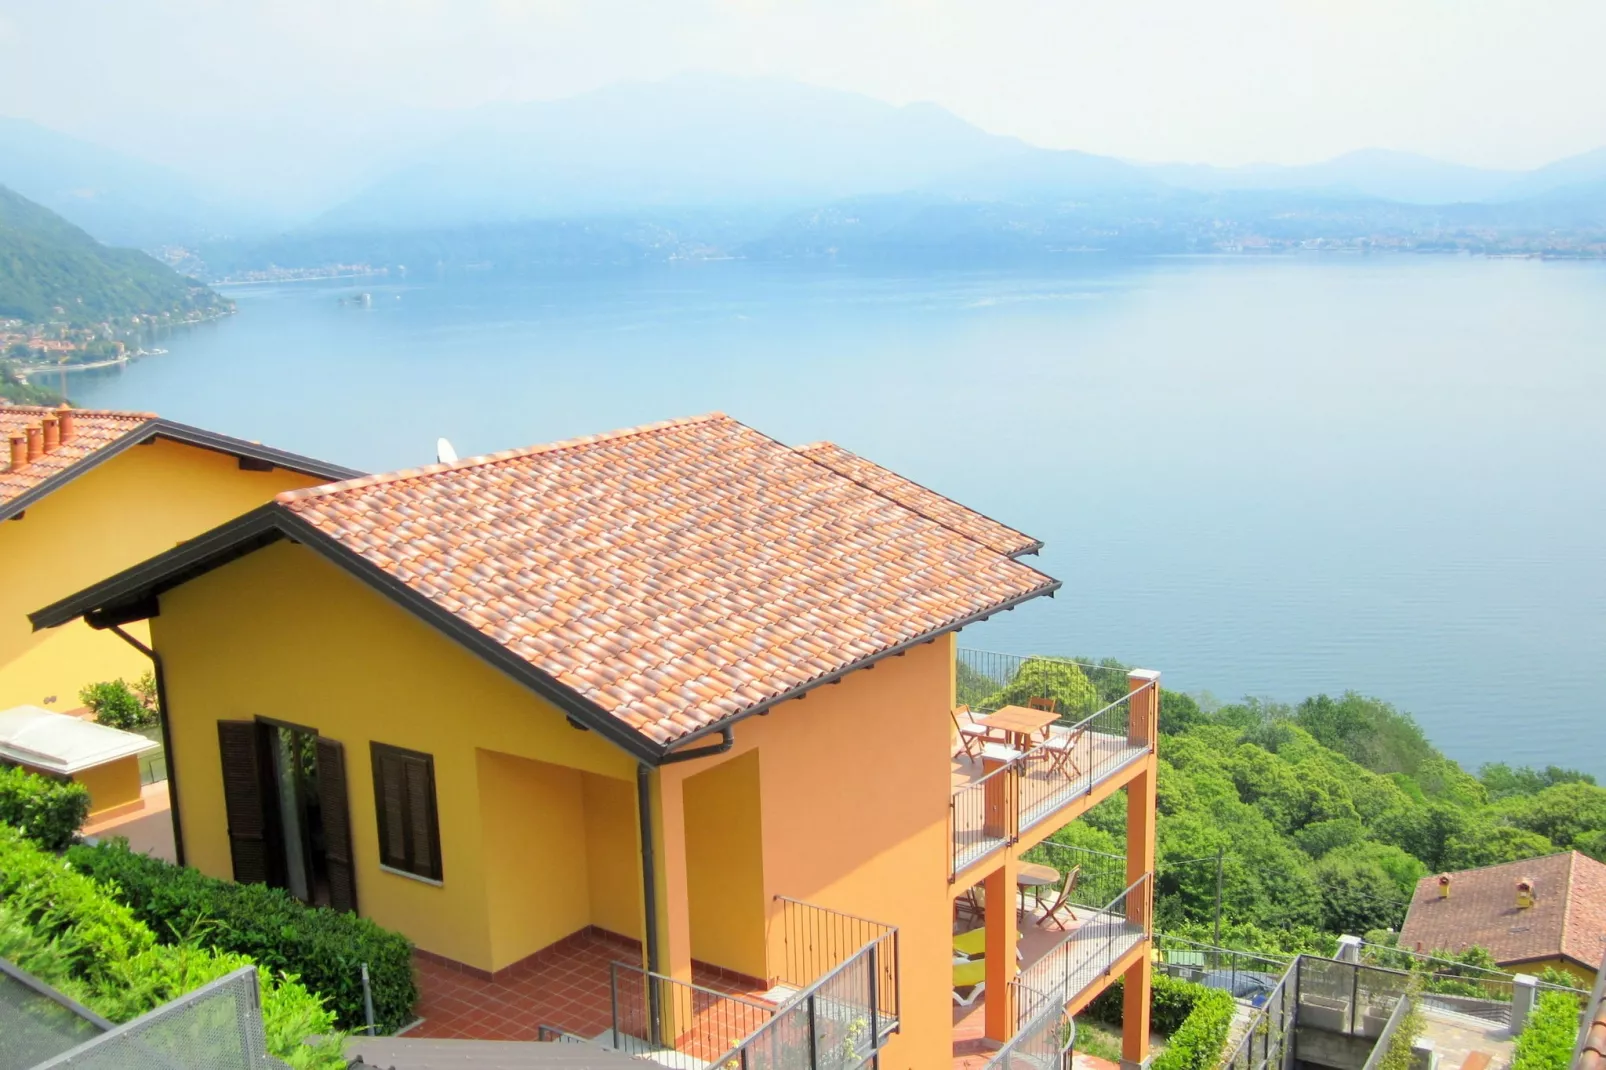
[(972, 736), (1060, 749), (1062, 901), (1047, 705)]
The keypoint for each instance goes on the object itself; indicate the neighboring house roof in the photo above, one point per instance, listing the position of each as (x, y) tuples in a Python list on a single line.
[(1567, 919), (61, 743), (926, 502), (654, 583), (98, 436)]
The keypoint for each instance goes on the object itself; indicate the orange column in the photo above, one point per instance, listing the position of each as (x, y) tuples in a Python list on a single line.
[(1143, 727), (1002, 936)]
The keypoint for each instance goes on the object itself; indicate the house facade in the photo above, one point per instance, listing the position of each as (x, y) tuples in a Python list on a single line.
[(85, 494), (681, 684)]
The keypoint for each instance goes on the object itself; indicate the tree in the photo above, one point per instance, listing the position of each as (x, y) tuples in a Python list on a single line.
[(1048, 678), (1357, 895)]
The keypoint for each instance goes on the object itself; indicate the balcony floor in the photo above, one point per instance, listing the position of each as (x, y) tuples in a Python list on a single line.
[(1043, 791), (565, 986), (1095, 932)]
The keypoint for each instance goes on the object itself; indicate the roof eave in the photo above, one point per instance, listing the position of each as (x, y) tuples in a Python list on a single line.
[(182, 433), (725, 723)]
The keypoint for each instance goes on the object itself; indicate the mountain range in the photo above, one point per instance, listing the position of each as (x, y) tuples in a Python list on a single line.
[(769, 151)]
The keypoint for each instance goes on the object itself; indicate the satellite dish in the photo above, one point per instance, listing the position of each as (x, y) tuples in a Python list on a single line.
[(444, 454)]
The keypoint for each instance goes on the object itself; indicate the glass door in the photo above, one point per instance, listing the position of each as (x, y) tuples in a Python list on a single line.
[(293, 756)]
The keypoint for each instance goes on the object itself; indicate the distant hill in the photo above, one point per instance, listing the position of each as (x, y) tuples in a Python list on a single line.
[(46, 264), (118, 199)]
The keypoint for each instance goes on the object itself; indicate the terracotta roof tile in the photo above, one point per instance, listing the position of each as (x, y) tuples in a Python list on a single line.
[(926, 502), (675, 574), (92, 431), (1568, 916)]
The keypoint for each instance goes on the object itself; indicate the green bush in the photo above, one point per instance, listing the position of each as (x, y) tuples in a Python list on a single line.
[(1047, 678), (65, 929), (1546, 1042), (118, 705), (1194, 1019), (48, 811), (325, 948)]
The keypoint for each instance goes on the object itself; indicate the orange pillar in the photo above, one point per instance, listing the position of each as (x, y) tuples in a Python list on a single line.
[(674, 904), (1002, 937), (1143, 727)]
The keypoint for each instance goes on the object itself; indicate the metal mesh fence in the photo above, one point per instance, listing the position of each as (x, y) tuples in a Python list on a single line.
[(37, 1023), (216, 1027)]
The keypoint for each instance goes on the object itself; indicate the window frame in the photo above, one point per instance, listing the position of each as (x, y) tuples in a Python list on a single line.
[(431, 869)]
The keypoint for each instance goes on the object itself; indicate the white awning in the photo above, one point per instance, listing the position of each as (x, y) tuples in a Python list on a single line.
[(60, 743)]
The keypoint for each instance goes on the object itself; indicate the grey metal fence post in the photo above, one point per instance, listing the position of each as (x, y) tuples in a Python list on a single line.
[(875, 997), (367, 1000)]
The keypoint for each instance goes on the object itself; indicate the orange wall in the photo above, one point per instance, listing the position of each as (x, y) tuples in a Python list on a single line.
[(725, 866), (854, 787), (134, 506)]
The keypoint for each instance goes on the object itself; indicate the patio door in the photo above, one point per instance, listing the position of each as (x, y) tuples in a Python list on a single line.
[(284, 790)]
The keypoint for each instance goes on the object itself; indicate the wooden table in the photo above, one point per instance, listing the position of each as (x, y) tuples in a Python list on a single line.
[(1031, 875), (1021, 722)]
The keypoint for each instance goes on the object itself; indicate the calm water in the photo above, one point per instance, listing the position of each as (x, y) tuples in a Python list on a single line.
[(1269, 477)]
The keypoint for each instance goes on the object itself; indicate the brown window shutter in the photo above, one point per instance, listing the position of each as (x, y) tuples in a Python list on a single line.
[(335, 811), (404, 797), (421, 819), (242, 800)]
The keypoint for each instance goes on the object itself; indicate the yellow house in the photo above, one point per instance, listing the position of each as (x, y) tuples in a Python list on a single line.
[(679, 695), (103, 759), (84, 494)]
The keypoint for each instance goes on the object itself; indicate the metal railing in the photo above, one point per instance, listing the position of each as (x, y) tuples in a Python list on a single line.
[(215, 1027), (1458, 986), (1242, 974), (653, 1013), (840, 1020), (1044, 1034), (1100, 874), (816, 940), (985, 679), (1392, 1026), (1267, 1042), (993, 811), (1347, 997)]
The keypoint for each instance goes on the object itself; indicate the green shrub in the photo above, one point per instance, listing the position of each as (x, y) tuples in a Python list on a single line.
[(1546, 1042), (1198, 1041), (48, 811), (62, 927), (325, 948), (1194, 1019), (1048, 678), (116, 704)]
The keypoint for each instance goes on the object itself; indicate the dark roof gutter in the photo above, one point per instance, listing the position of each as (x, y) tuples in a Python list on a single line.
[(189, 436)]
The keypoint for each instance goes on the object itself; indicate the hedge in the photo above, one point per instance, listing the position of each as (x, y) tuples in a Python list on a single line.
[(1196, 1020), (325, 948), (45, 810), (1546, 1041), (69, 932)]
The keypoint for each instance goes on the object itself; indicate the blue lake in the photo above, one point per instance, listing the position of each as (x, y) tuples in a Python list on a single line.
[(1261, 476)]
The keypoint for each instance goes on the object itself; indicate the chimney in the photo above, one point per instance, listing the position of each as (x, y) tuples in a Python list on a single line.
[(36, 443), (1444, 886), (52, 434), (69, 428), (19, 451), (1525, 893)]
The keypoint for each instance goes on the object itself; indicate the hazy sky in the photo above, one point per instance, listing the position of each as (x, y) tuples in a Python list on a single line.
[(1508, 83)]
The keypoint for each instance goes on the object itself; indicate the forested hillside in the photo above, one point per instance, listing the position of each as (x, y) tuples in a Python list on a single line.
[(50, 271), (1325, 814)]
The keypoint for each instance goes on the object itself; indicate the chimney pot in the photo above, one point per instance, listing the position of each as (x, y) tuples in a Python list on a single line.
[(36, 443), (19, 451), (68, 422), (52, 434), (1525, 893), (1444, 886)]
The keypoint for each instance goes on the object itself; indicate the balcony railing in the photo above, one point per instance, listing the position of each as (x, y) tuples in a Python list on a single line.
[(655, 1014), (1267, 1042), (993, 811), (1089, 951), (841, 1018)]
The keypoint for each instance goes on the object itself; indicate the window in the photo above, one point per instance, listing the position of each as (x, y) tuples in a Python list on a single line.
[(404, 799)]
